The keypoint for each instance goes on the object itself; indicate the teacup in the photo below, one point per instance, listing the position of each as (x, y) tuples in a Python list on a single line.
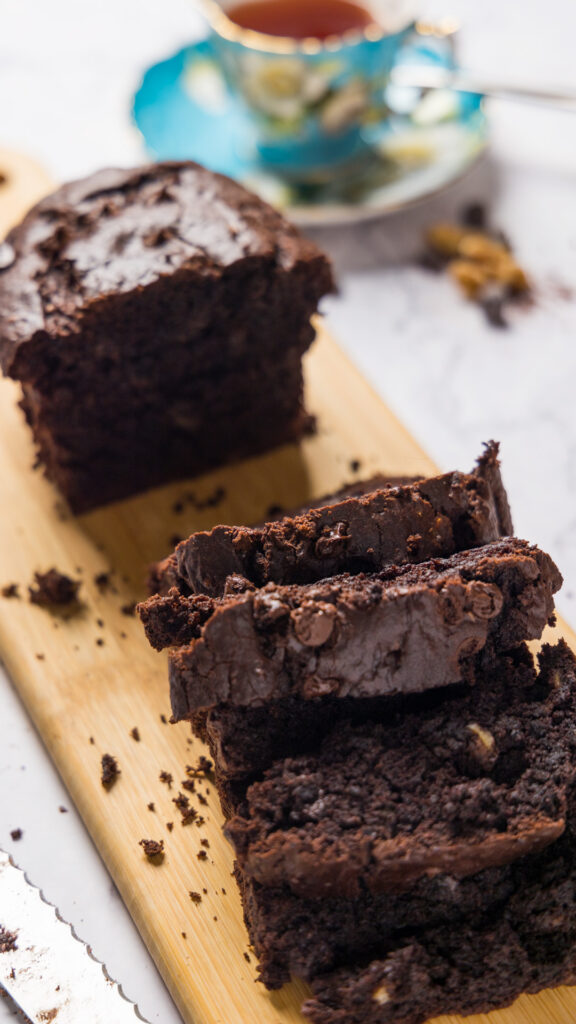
[(309, 98)]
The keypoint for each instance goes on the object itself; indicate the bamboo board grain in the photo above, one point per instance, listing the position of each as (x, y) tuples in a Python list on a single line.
[(87, 681)]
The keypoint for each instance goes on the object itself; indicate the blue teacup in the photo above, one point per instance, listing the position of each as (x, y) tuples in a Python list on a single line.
[(310, 99)]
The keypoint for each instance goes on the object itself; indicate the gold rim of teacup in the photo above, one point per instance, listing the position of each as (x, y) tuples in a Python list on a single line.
[(253, 40)]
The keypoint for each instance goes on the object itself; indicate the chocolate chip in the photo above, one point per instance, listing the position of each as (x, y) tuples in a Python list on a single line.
[(314, 622), (314, 687), (332, 541), (484, 600), (7, 255)]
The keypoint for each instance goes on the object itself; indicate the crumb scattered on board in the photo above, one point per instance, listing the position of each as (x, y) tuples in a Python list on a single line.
[(204, 767), (7, 941), (110, 771), (129, 609), (16, 834), (195, 897), (187, 812), (10, 590), (153, 849), (135, 734), (54, 589), (103, 580), (200, 504), (480, 259), (167, 778)]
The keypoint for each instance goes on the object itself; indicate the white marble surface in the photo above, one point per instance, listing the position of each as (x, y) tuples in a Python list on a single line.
[(67, 71)]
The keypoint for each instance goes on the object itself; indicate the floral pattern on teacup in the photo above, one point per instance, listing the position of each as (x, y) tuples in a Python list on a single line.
[(286, 91), (345, 106), (285, 88)]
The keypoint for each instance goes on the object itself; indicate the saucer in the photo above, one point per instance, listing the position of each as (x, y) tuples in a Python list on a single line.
[(184, 111)]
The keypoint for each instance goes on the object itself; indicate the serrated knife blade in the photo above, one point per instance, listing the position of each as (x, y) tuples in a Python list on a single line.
[(48, 972)]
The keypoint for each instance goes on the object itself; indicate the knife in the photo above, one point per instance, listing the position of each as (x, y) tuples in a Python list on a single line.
[(48, 972)]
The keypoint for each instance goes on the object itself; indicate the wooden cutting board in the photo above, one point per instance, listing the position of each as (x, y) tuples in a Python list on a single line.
[(87, 681)]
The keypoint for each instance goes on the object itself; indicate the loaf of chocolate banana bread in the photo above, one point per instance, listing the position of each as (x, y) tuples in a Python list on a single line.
[(412, 522), (156, 318), (405, 629)]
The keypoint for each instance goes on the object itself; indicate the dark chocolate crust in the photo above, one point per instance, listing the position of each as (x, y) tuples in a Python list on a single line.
[(411, 523), (476, 781), (120, 231), (406, 629), (164, 574), (144, 306)]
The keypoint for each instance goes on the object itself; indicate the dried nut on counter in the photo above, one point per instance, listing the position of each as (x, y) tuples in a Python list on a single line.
[(470, 276), (445, 238), (480, 261)]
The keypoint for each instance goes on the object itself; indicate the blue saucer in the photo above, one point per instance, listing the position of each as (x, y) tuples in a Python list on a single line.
[(184, 110)]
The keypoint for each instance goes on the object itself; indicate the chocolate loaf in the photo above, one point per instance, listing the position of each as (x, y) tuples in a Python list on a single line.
[(411, 523), (470, 782), (405, 629), (529, 945), (156, 318), (446, 945)]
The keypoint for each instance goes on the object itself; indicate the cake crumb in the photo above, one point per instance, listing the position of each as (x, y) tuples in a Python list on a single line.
[(204, 842), (92, 741), (110, 771), (40, 656), (204, 767), (56, 590), (247, 958), (62, 809), (135, 734), (16, 834), (151, 807), (223, 892), (99, 641), (202, 855), (202, 799), (169, 825), (184, 935), (7, 941), (10, 590), (355, 465), (153, 849), (194, 896), (103, 581), (183, 804), (129, 608), (163, 719), (212, 500), (167, 778)]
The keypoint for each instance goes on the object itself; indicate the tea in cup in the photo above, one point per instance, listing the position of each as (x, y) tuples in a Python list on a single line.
[(311, 73)]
